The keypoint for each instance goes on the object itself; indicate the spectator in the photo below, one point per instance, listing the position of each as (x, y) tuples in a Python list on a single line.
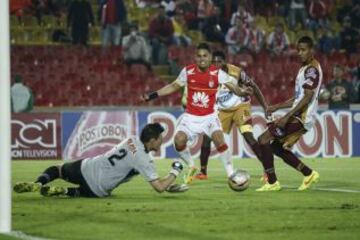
[(161, 33), (254, 40), (243, 15), (180, 38), (341, 91), (278, 41), (235, 37), (113, 15), (213, 31), (169, 6), (297, 13), (348, 37), (356, 81), (136, 50), (205, 11), (22, 99), (318, 11), (326, 43), (80, 18), (355, 14)]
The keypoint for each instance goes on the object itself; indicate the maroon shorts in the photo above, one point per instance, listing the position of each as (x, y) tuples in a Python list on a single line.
[(288, 135)]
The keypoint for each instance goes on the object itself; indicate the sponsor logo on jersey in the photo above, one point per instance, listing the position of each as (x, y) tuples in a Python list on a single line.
[(200, 99)]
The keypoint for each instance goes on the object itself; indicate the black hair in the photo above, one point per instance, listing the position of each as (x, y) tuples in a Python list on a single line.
[(308, 40), (204, 46), (151, 130), (220, 54)]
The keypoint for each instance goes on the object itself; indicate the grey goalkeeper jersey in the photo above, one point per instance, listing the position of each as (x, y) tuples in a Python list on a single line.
[(105, 172)]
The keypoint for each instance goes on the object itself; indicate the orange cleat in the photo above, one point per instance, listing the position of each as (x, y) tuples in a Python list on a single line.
[(201, 176)]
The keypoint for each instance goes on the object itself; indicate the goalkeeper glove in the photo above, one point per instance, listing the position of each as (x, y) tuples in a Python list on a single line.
[(177, 167)]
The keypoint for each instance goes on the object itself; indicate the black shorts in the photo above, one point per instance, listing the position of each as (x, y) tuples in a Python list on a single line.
[(71, 172)]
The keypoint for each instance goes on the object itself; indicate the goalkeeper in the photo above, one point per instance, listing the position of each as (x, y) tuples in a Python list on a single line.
[(98, 176)]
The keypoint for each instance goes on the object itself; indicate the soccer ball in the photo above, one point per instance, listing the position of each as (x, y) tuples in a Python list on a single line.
[(239, 180)]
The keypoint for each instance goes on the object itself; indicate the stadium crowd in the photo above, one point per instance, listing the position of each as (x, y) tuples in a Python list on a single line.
[(259, 34)]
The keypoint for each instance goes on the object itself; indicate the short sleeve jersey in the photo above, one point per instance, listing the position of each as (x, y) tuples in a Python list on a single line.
[(309, 77), (202, 88), (226, 99), (105, 172)]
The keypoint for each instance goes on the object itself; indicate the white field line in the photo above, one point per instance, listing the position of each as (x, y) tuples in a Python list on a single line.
[(343, 190), (24, 236)]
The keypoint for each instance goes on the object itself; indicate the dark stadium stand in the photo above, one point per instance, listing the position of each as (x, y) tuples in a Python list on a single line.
[(75, 76)]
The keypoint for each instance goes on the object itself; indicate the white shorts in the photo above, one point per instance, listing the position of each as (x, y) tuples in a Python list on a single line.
[(193, 125)]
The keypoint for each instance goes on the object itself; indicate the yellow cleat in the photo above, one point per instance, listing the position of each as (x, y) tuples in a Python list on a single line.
[(312, 178), (270, 187), (23, 187), (49, 191), (190, 176)]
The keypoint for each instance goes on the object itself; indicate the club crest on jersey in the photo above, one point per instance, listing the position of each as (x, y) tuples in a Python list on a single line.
[(214, 73), (310, 73), (211, 83)]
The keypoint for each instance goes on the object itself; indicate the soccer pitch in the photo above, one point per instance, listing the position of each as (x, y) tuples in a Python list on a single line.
[(209, 210)]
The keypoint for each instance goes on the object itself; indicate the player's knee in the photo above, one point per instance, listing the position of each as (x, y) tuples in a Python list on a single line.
[(180, 142), (222, 148), (249, 138), (263, 139)]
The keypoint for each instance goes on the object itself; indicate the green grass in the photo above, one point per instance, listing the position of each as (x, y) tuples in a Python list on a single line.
[(209, 210)]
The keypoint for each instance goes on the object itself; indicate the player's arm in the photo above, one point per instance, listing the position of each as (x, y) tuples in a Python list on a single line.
[(258, 94), (308, 95), (168, 89), (311, 75), (287, 104), (161, 185), (231, 83), (239, 91)]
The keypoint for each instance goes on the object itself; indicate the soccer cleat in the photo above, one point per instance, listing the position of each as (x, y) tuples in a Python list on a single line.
[(270, 187), (176, 188), (23, 187), (49, 191), (190, 176), (201, 176), (312, 178)]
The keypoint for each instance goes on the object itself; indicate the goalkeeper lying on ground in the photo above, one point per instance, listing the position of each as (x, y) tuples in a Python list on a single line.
[(99, 175)]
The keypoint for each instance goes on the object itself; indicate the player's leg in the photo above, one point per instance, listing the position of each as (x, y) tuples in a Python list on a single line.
[(242, 120), (267, 160), (310, 176), (180, 142), (204, 158), (70, 172), (50, 174), (223, 150)]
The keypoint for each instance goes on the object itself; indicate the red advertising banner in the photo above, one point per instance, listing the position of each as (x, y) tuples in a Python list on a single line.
[(36, 136)]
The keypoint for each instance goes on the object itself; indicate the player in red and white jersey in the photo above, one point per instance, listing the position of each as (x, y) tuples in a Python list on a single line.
[(203, 81), (233, 111), (284, 132)]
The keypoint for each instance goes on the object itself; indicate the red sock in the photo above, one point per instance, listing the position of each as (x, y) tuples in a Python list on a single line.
[(204, 159), (290, 158)]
